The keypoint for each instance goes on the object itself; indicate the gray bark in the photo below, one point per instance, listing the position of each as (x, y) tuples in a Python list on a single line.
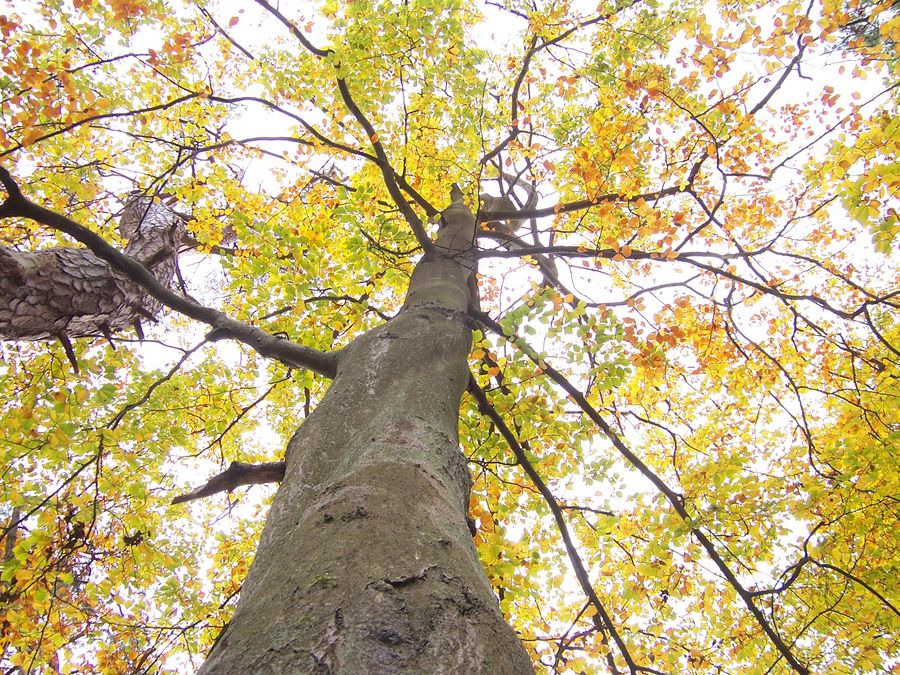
[(366, 563), (68, 292)]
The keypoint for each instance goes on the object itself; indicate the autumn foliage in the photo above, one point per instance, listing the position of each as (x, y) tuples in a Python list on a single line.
[(684, 422)]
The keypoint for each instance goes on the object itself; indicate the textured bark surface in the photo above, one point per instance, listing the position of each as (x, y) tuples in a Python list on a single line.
[(366, 563), (69, 292)]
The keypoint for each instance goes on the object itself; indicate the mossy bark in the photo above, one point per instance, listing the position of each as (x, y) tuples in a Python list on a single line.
[(366, 564)]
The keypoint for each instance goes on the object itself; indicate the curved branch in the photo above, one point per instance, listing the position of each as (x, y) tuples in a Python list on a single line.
[(794, 63), (583, 204), (387, 171), (315, 133), (133, 405), (93, 118), (537, 44), (859, 581)]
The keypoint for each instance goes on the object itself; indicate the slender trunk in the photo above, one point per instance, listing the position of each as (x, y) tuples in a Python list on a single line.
[(366, 563)]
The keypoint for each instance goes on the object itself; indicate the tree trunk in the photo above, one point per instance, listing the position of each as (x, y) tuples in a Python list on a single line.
[(68, 292), (366, 563)]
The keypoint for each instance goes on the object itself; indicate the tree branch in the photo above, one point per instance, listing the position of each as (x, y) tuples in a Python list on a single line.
[(387, 171), (205, 12), (676, 501), (93, 118), (394, 182), (582, 204), (236, 475), (602, 621)]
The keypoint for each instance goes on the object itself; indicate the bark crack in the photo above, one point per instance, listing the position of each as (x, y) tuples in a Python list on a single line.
[(324, 655), (411, 578)]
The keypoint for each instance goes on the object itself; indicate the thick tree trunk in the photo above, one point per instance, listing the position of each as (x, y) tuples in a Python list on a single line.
[(366, 563)]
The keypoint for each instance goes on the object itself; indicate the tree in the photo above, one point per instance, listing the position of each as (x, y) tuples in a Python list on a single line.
[(587, 325)]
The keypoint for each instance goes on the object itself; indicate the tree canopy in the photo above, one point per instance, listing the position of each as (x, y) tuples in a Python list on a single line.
[(683, 420)]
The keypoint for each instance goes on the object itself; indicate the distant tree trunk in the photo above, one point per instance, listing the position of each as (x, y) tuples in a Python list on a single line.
[(67, 292), (366, 563)]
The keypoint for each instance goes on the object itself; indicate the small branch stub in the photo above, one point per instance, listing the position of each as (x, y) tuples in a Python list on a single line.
[(236, 475)]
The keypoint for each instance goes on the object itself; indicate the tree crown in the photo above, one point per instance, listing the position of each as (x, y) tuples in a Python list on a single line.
[(683, 422)]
